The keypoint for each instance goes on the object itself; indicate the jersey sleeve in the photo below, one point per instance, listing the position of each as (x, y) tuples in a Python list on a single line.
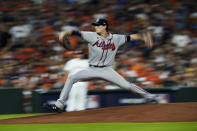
[(87, 35), (121, 39)]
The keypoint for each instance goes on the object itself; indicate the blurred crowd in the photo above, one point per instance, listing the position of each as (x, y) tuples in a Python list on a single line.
[(31, 58)]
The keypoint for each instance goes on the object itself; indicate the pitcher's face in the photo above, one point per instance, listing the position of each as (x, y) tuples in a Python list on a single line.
[(100, 29)]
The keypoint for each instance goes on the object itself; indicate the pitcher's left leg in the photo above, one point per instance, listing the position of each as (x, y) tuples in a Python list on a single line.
[(117, 79)]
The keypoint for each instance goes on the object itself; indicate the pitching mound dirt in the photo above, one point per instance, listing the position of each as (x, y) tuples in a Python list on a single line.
[(140, 113)]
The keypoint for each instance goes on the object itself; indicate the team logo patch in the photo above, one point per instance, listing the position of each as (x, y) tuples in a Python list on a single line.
[(105, 46)]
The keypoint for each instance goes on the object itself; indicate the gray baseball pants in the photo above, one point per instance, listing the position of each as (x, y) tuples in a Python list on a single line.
[(105, 73)]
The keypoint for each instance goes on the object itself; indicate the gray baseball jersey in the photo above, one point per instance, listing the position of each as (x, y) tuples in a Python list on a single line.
[(102, 51)]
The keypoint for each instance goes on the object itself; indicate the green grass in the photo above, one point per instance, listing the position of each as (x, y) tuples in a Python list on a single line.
[(163, 126), (7, 116)]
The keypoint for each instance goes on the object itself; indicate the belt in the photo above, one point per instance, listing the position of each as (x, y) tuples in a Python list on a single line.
[(96, 66)]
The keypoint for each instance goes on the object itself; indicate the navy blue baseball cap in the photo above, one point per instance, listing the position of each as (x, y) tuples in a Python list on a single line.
[(100, 22)]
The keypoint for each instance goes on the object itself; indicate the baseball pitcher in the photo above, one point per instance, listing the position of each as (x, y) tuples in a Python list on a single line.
[(102, 47)]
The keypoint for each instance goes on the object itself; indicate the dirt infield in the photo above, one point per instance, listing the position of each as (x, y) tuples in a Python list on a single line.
[(142, 113)]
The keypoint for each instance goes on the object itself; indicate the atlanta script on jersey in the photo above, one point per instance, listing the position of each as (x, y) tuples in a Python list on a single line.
[(102, 50)]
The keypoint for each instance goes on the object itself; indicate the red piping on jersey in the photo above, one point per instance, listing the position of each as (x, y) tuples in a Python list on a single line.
[(105, 57), (100, 58), (107, 50)]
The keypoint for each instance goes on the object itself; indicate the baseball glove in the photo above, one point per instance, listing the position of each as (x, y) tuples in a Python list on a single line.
[(66, 43), (148, 40)]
